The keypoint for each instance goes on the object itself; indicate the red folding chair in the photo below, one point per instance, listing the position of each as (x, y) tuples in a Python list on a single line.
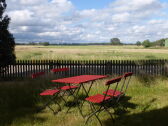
[(54, 92), (52, 95), (120, 91), (57, 89), (59, 69), (61, 72), (102, 100), (38, 74)]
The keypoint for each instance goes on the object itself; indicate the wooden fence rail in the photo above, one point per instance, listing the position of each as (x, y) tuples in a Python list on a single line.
[(24, 68)]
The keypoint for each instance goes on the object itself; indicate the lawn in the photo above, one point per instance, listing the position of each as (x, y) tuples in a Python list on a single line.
[(146, 101), (146, 104), (90, 52)]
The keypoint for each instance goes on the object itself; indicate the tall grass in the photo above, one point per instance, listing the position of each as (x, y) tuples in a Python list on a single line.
[(146, 104), (90, 52)]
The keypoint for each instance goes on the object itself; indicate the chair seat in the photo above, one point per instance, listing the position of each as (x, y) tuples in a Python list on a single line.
[(97, 98), (68, 87), (112, 92), (49, 92)]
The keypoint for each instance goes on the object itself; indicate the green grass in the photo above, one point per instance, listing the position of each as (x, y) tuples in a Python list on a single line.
[(90, 52), (146, 103)]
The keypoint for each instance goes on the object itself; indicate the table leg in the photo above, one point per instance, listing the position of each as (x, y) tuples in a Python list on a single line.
[(76, 100), (86, 92)]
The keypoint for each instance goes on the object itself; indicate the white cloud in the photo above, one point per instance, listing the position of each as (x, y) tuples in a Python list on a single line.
[(135, 5), (54, 20), (30, 2), (21, 16), (121, 17)]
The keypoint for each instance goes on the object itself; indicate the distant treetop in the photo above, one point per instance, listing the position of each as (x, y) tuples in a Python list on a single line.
[(115, 41)]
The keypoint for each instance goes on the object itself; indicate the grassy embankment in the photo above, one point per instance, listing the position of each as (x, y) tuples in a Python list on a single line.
[(146, 102), (90, 52)]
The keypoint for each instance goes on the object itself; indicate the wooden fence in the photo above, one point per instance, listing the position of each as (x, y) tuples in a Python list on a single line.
[(24, 68)]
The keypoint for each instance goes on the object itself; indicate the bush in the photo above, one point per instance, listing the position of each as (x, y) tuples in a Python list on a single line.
[(146, 43)]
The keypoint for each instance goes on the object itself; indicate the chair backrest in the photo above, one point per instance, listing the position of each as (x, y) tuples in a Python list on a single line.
[(129, 74), (38, 74), (127, 77), (110, 82), (114, 80), (59, 69)]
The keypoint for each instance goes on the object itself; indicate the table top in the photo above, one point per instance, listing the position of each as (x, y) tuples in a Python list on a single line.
[(80, 79)]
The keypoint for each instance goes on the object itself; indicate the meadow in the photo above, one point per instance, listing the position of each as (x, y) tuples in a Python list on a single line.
[(146, 104), (90, 52), (146, 101)]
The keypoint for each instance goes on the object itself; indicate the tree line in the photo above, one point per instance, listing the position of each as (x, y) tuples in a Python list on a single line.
[(146, 43), (114, 41)]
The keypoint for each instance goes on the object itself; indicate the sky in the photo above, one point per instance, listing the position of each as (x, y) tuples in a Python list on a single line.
[(90, 21)]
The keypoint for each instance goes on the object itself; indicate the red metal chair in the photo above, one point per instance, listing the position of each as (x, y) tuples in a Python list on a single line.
[(61, 72), (102, 100), (59, 69), (120, 91), (38, 74), (54, 91), (52, 94), (55, 94)]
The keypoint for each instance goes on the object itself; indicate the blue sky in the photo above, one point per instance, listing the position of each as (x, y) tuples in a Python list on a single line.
[(72, 21), (90, 4)]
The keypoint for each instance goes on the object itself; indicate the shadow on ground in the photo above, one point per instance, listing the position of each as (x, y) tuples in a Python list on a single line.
[(8, 116), (158, 117), (18, 100)]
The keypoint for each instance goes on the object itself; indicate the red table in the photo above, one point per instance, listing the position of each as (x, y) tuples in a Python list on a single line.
[(80, 80)]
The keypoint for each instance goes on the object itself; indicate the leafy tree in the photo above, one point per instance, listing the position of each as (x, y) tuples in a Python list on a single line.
[(160, 42), (7, 43), (44, 43), (31, 43), (115, 41), (146, 43), (138, 43)]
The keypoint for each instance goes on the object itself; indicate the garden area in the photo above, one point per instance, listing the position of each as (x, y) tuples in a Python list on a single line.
[(56, 75), (145, 103)]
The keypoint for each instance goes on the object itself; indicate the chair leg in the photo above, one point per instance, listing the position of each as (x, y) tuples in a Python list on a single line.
[(51, 109), (120, 105), (106, 109), (94, 113), (58, 105), (48, 104), (98, 119), (86, 92), (75, 99)]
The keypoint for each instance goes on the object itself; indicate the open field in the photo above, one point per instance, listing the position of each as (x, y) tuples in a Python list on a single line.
[(91, 52), (146, 105)]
